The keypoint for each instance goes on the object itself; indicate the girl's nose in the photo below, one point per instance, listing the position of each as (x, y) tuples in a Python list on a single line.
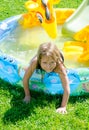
[(48, 65)]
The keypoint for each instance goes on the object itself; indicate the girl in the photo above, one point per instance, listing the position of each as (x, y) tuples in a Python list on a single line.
[(48, 59)]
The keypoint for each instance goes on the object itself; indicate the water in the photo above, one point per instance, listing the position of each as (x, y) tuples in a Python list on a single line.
[(22, 44)]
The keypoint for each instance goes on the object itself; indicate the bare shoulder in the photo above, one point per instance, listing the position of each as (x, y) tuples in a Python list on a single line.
[(34, 60), (63, 69), (30, 69), (33, 63), (60, 69)]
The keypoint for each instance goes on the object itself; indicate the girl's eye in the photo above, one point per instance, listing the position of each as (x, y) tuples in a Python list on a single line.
[(52, 62), (44, 62)]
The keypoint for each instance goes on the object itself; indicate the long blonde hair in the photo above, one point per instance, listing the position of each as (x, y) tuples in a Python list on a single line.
[(49, 49)]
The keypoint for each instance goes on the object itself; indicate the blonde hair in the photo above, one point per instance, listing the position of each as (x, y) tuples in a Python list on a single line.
[(49, 49)]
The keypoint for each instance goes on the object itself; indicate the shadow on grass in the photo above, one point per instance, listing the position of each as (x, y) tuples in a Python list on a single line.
[(20, 110), (79, 98)]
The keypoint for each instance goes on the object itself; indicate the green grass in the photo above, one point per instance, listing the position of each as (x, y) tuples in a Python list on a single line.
[(40, 113), (13, 7)]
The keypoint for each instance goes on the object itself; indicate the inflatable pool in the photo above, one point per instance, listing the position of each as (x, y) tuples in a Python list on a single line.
[(21, 35)]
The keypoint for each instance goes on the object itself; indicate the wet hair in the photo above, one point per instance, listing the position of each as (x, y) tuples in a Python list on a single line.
[(49, 49)]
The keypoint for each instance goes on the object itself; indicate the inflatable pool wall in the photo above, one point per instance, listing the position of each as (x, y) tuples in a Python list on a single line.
[(11, 68), (51, 83), (11, 71), (8, 25)]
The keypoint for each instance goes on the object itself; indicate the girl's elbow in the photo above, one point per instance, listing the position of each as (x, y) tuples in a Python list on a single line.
[(25, 80), (67, 90)]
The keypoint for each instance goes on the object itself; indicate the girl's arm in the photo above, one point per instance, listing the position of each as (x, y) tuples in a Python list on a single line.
[(65, 83), (28, 74)]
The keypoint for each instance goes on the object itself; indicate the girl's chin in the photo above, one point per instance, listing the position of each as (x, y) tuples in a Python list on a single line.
[(48, 71)]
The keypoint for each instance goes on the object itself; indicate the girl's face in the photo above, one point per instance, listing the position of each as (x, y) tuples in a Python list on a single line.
[(47, 63)]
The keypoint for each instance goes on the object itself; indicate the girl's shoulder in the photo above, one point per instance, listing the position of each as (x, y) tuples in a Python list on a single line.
[(33, 63), (34, 60)]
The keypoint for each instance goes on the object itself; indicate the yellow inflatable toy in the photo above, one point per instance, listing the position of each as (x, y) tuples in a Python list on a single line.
[(79, 30), (79, 47), (77, 51), (83, 36), (41, 12), (72, 49)]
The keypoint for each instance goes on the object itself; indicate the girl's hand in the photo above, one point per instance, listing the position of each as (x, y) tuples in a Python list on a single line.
[(62, 110), (27, 99)]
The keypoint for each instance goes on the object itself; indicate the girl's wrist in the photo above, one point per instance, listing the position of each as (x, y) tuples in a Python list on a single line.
[(27, 93), (63, 105), (27, 96)]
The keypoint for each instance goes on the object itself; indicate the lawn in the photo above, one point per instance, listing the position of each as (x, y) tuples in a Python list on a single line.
[(40, 113)]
